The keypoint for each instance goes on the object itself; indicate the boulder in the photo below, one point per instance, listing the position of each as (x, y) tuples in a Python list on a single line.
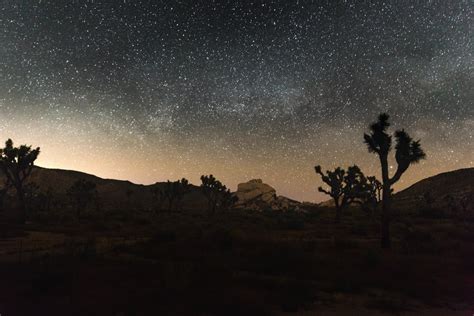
[(258, 196), (255, 190)]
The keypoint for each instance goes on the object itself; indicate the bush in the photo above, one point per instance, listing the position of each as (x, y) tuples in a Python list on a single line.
[(372, 258), (360, 229), (345, 243), (224, 239), (164, 236), (431, 212), (417, 241), (291, 220)]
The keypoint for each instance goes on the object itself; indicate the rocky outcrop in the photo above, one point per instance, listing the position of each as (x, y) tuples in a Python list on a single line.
[(258, 196), (255, 190)]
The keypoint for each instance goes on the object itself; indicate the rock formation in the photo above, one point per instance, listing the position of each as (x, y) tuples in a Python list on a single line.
[(258, 196)]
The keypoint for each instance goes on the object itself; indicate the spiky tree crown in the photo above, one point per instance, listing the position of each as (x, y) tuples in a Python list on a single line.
[(379, 141), (210, 183), (23, 156), (407, 151)]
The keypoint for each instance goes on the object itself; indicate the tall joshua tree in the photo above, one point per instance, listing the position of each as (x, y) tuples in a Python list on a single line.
[(17, 164), (344, 187), (407, 152)]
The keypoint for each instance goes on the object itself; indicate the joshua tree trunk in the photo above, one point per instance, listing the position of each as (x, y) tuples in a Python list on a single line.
[(3, 194), (21, 204), (386, 217), (338, 210), (386, 196)]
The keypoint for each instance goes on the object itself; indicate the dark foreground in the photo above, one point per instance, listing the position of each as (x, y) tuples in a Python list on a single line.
[(236, 263)]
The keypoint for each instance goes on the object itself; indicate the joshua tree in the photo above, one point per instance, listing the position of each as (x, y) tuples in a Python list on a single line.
[(17, 164), (82, 192), (371, 194), (344, 187), (158, 197), (174, 192), (407, 152), (3, 193), (216, 193), (375, 187)]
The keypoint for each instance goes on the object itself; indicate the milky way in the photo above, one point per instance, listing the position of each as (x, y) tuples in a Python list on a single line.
[(156, 90)]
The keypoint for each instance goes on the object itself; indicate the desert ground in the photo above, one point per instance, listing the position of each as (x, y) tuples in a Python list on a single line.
[(237, 263)]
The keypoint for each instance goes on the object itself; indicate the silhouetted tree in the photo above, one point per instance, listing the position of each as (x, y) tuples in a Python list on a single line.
[(407, 152), (375, 187), (174, 192), (158, 197), (32, 196), (217, 194), (82, 192), (3, 193), (370, 194), (17, 164), (344, 187)]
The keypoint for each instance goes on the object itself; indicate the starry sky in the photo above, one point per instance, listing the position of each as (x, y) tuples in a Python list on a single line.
[(155, 90)]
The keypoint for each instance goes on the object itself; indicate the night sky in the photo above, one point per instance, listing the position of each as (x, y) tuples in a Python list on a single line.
[(155, 90)]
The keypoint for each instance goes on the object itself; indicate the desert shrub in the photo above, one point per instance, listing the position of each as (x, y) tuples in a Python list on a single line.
[(360, 229), (372, 258), (224, 239), (46, 278), (418, 241), (343, 243), (313, 215), (80, 249), (99, 226), (346, 285), (391, 305), (164, 236), (141, 220), (291, 220), (431, 212), (295, 295)]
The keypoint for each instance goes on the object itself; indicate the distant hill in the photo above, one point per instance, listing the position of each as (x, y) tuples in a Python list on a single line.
[(125, 195), (457, 184), (113, 194)]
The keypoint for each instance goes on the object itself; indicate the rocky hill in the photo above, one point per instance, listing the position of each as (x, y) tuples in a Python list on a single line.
[(440, 191)]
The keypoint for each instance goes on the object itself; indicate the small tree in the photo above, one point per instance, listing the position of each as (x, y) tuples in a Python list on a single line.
[(344, 187), (17, 164), (371, 194), (174, 192), (82, 192), (407, 152), (217, 194), (158, 197)]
